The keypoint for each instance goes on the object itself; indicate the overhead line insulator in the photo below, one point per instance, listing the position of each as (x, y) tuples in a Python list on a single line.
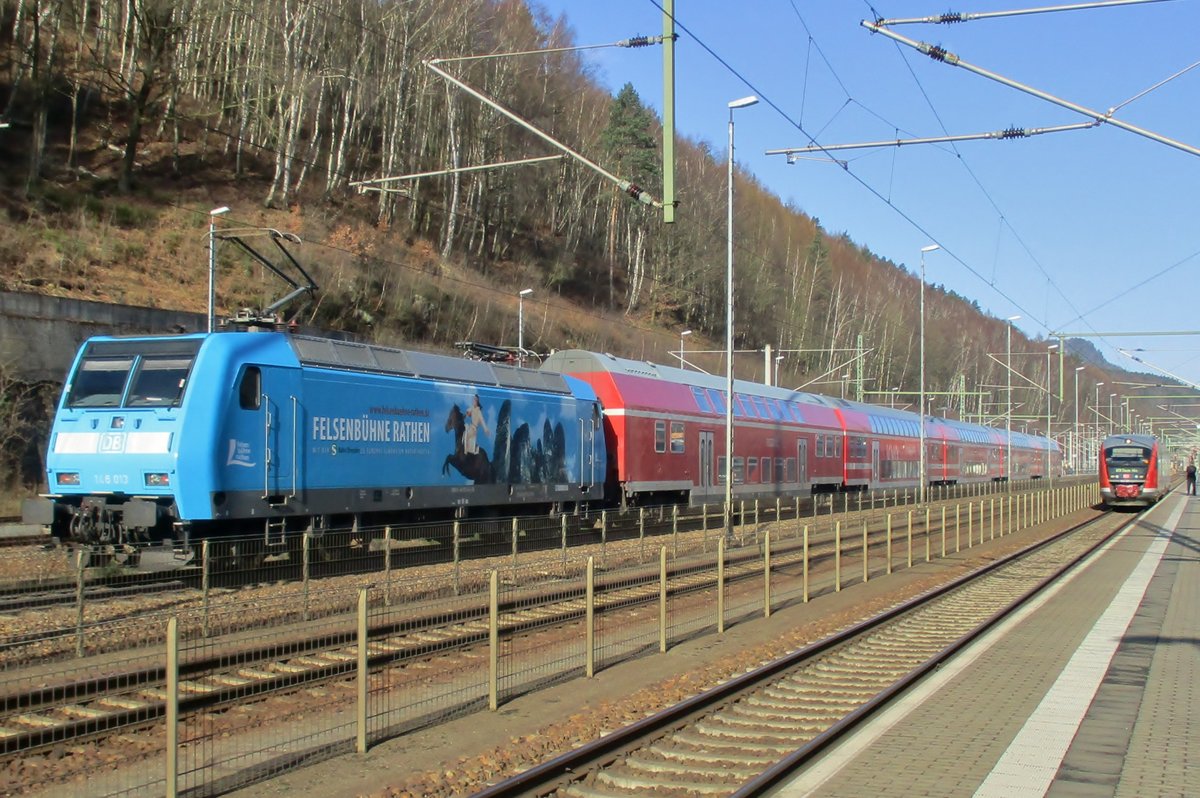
[(950, 17), (640, 41)]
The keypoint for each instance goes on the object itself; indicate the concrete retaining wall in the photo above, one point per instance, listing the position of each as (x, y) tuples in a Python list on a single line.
[(39, 334)]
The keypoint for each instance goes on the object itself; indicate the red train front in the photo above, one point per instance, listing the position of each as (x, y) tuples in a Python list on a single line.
[(1131, 471)]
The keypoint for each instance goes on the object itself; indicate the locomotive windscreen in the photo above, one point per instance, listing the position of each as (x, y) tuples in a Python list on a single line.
[(135, 373)]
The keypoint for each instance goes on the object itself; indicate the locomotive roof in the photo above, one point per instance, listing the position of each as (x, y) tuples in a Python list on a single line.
[(350, 356)]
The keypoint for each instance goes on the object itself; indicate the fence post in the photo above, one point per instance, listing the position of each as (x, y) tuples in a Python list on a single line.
[(943, 531), (604, 536), (837, 557), (387, 564), (721, 585), (563, 531), (79, 582), (928, 544), (889, 543), (363, 652), (866, 554), (662, 599), (204, 566), (304, 545), (494, 638), (674, 530), (590, 603), (456, 535), (909, 537), (172, 708), (804, 572), (641, 534), (767, 574), (514, 546)]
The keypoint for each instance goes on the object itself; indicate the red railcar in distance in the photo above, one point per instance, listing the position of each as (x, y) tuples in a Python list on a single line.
[(1131, 471)]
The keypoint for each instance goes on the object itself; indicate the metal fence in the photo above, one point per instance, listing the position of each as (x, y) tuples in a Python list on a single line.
[(341, 644)]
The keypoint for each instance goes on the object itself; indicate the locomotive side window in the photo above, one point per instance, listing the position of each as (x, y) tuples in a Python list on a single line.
[(99, 382), (159, 382), (250, 389), (660, 436)]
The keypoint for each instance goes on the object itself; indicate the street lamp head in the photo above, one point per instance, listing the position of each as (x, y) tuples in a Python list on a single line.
[(1013, 318), (744, 102), (1051, 347), (685, 332), (931, 248), (525, 292), (1080, 368), (224, 209)]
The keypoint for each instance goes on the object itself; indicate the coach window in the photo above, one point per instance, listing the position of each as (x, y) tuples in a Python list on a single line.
[(752, 470), (250, 389), (660, 436), (676, 437), (768, 477)]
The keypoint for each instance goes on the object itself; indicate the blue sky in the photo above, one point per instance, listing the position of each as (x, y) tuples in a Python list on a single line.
[(1067, 230)]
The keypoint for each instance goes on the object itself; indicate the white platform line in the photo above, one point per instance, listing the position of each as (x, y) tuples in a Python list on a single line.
[(833, 762), (1034, 756)]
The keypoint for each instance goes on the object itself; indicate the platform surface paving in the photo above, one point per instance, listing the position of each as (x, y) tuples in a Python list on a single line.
[(1089, 692)]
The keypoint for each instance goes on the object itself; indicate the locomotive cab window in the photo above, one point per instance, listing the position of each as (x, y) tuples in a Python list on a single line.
[(250, 389), (660, 436), (159, 382), (99, 382)]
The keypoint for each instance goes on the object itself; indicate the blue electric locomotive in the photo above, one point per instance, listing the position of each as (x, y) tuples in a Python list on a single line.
[(168, 437)]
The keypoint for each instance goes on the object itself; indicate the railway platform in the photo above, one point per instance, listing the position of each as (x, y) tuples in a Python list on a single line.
[(1092, 690)]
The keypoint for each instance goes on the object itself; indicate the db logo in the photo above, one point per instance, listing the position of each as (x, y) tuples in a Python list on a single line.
[(112, 442)]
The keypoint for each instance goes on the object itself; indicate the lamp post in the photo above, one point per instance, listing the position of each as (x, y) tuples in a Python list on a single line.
[(894, 395), (682, 335), (778, 358), (1008, 408), (1075, 433), (521, 324), (744, 102), (1049, 349), (1111, 396), (1096, 410), (212, 262), (921, 401)]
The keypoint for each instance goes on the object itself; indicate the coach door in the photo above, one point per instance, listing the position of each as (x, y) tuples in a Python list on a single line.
[(705, 480), (874, 462), (802, 462)]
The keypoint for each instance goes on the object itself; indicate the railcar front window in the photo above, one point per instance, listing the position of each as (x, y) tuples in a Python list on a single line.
[(99, 382), (1127, 455), (159, 382)]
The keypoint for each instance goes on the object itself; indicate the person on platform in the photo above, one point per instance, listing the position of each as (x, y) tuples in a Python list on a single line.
[(1191, 478)]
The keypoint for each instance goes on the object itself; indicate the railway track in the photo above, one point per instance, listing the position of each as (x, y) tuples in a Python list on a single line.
[(744, 736)]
